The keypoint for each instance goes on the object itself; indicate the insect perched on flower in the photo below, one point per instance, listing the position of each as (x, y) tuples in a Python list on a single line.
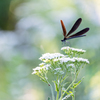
[(75, 26)]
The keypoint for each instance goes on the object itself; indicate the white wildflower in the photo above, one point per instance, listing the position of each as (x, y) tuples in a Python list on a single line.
[(45, 56), (51, 56), (37, 68), (73, 49), (78, 50), (46, 67), (70, 65), (41, 69), (41, 64), (81, 60), (46, 60), (62, 60), (55, 60), (58, 71), (34, 72), (65, 48)]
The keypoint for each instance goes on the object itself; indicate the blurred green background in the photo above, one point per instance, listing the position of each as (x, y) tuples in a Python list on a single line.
[(29, 28)]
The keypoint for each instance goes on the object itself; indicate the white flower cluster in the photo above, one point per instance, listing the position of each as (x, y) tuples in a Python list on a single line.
[(73, 49), (58, 71), (41, 64), (60, 67), (50, 56), (39, 69), (71, 65), (65, 60), (56, 62), (81, 60)]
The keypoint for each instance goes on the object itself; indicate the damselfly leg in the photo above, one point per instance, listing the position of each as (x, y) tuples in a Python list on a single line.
[(66, 43)]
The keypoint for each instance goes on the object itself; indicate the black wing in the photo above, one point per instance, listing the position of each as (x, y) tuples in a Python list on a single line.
[(80, 33), (63, 28), (75, 26), (75, 37)]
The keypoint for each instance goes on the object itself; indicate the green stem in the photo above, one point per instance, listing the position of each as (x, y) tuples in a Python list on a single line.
[(57, 95), (73, 87), (73, 97), (52, 92), (67, 89), (64, 78), (73, 78), (61, 94)]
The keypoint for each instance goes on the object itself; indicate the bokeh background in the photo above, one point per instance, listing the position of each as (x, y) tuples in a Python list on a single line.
[(29, 28)]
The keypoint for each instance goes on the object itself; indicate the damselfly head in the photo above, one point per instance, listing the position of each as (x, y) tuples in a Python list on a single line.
[(64, 40)]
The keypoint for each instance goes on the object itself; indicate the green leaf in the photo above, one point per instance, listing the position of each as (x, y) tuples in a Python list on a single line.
[(76, 84), (70, 93), (64, 78), (67, 93), (44, 80), (56, 86), (65, 84)]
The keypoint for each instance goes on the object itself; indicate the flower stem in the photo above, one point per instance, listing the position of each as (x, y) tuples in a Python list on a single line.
[(67, 88), (73, 78), (57, 95), (73, 97), (61, 94), (52, 92)]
